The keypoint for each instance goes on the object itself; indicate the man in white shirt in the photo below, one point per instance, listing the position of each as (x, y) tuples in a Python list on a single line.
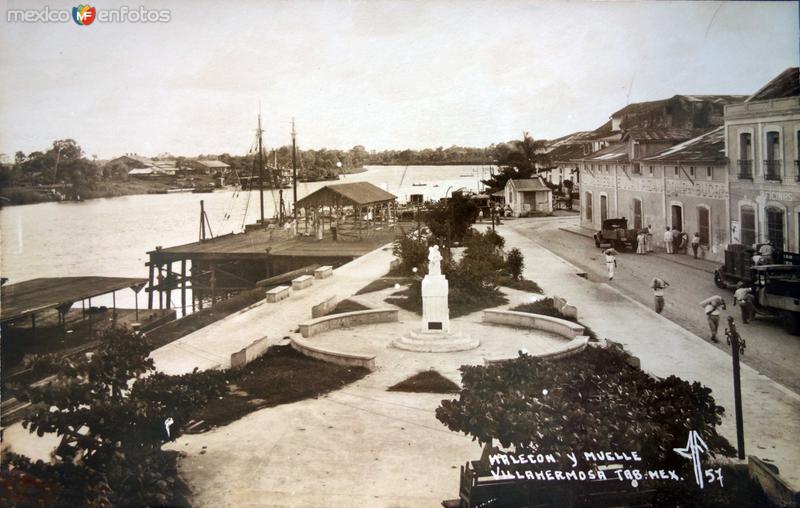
[(711, 307), (668, 240), (658, 286)]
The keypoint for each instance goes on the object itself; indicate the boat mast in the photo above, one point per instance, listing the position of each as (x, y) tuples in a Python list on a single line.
[(260, 169), (294, 174)]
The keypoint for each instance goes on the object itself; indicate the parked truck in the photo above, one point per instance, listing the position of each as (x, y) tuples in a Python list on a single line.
[(615, 233), (776, 286)]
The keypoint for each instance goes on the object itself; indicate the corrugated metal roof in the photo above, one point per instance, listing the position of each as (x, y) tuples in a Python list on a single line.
[(708, 147), (529, 184), (566, 153), (616, 152), (785, 84), (657, 134), (355, 193), (142, 171), (33, 296), (213, 164)]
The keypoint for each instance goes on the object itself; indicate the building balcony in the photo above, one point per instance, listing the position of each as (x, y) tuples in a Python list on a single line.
[(772, 170), (745, 169)]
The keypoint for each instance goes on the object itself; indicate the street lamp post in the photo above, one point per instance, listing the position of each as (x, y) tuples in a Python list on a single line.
[(737, 346)]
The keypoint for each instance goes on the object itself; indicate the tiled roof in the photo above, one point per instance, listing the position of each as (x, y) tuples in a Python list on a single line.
[(708, 147), (786, 84), (529, 184)]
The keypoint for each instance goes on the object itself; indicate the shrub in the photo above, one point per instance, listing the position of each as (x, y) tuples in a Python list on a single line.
[(451, 218), (412, 252), (592, 400), (515, 262), (111, 420)]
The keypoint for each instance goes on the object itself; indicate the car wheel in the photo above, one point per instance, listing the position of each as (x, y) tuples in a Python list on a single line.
[(596, 241), (718, 280), (791, 322)]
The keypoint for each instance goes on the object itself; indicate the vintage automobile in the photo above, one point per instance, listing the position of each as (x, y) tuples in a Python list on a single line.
[(615, 233)]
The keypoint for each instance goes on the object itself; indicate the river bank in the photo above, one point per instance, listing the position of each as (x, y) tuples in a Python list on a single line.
[(29, 195)]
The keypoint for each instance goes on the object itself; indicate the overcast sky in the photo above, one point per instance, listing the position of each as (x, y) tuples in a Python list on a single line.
[(383, 74)]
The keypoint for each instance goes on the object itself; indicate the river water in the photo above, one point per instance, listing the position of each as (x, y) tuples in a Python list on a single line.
[(110, 237)]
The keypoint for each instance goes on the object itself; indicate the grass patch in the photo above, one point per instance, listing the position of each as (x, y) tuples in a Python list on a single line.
[(546, 307), (460, 303), (428, 381), (521, 285), (347, 306), (380, 284), (281, 376)]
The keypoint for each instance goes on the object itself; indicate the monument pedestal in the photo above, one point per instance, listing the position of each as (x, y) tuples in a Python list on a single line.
[(436, 342), (435, 335)]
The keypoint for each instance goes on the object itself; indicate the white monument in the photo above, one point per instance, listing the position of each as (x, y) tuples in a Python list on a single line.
[(435, 288), (435, 335)]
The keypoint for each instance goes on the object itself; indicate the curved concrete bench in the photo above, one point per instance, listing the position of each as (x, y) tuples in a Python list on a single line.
[(562, 327), (345, 319), (326, 355)]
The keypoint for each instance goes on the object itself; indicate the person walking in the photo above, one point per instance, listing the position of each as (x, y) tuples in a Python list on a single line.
[(641, 239), (711, 307), (695, 244), (611, 262), (658, 286), (744, 297), (649, 238), (668, 240)]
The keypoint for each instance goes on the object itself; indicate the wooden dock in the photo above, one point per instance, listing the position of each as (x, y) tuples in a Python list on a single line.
[(232, 263)]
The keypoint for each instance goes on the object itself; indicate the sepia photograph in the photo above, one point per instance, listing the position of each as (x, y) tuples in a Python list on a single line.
[(400, 254)]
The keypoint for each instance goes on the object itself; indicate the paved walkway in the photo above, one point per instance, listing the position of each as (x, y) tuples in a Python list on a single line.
[(358, 446), (212, 346), (706, 265), (771, 412)]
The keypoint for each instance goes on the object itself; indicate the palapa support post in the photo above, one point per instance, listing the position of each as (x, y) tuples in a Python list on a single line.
[(737, 346), (183, 286), (150, 287), (169, 285)]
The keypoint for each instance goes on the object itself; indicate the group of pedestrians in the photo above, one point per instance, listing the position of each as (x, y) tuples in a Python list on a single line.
[(644, 240), (678, 242)]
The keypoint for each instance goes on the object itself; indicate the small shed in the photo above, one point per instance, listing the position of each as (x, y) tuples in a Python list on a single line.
[(368, 203), (528, 195)]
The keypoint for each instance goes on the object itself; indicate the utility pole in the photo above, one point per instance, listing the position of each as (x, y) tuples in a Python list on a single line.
[(260, 169), (294, 175), (737, 346)]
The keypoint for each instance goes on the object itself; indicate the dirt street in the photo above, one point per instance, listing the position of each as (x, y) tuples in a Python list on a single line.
[(770, 349)]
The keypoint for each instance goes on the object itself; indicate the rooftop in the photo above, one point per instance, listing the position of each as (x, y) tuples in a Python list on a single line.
[(615, 152), (529, 184), (785, 84), (32, 296), (657, 134), (708, 147), (213, 164), (348, 194)]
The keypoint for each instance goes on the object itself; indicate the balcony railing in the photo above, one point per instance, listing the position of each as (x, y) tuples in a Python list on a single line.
[(772, 170), (797, 171), (745, 169)]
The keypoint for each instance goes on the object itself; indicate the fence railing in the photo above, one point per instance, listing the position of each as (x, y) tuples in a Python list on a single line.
[(745, 169)]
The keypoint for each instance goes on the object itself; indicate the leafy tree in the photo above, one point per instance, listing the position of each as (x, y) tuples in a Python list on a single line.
[(110, 419), (518, 159), (589, 401), (451, 219)]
